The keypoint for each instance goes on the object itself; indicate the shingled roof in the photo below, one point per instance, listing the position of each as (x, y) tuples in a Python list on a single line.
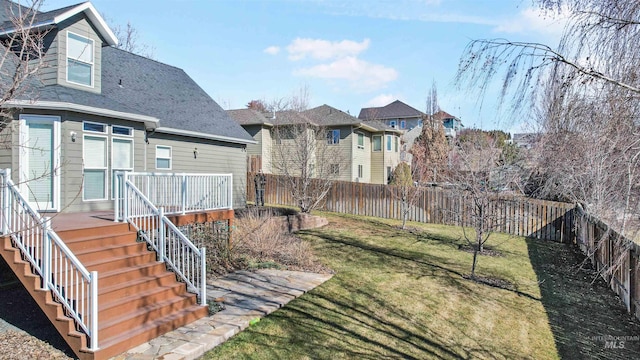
[(326, 115), (165, 92), (395, 110), (249, 117)]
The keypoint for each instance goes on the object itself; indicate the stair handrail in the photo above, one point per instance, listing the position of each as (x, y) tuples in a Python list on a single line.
[(72, 285), (172, 246)]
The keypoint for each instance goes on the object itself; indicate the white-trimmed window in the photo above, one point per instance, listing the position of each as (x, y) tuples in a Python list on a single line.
[(121, 158), (95, 127), (163, 157), (121, 130), (333, 137), (360, 140), (95, 167), (360, 171), (395, 138), (403, 124), (388, 142), (376, 143), (79, 59), (334, 169), (393, 123)]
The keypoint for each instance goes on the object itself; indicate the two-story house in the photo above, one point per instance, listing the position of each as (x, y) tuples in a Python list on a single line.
[(72, 129), (452, 125), (364, 151), (95, 109), (397, 115)]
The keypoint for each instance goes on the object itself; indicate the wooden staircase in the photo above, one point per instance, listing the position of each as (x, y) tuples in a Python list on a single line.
[(138, 299)]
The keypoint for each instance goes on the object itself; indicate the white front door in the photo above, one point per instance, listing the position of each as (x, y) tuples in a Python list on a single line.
[(40, 161)]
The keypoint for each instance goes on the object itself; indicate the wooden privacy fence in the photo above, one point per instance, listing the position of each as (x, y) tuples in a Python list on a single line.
[(539, 219), (614, 257)]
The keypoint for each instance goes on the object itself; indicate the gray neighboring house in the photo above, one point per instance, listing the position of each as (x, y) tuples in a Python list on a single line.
[(259, 125), (98, 109), (397, 115)]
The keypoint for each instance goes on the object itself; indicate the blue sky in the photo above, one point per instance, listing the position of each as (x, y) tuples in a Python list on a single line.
[(350, 54)]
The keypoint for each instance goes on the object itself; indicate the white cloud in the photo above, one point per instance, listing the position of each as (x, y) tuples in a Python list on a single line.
[(362, 75), (535, 20), (323, 49), (272, 50), (382, 100)]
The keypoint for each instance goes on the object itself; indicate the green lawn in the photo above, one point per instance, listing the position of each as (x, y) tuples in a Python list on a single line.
[(402, 295)]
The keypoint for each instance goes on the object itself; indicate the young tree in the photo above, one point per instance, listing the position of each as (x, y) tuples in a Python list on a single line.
[(477, 157), (404, 189)]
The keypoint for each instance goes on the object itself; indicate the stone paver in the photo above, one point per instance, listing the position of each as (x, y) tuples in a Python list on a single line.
[(247, 296)]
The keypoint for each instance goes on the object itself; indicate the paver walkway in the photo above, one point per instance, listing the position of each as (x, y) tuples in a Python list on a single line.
[(247, 296)]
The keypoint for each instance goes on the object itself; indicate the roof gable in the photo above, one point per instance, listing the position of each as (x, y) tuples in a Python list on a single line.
[(54, 17)]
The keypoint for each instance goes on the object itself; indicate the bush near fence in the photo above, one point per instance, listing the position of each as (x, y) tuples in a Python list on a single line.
[(615, 257)]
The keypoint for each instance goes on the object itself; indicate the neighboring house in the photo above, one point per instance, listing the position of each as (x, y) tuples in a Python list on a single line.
[(452, 125), (98, 109), (525, 140), (259, 125), (369, 151), (397, 115)]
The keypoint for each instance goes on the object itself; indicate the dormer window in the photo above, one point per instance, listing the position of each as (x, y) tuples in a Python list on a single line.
[(79, 59)]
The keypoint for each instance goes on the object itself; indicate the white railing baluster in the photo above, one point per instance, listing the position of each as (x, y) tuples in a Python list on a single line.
[(61, 272)]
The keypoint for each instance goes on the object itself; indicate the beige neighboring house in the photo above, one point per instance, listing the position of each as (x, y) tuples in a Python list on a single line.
[(260, 126), (370, 150)]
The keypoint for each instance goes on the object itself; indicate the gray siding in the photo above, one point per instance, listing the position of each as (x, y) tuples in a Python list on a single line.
[(80, 26), (49, 71), (213, 157)]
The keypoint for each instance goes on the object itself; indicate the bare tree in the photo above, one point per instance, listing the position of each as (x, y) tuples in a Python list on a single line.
[(476, 158), (22, 56), (430, 150), (585, 92), (302, 155), (302, 152), (129, 40)]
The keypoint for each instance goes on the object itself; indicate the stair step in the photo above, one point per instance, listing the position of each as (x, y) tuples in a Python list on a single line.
[(126, 340), (109, 228), (98, 240), (138, 317), (117, 291), (119, 262), (130, 303), (93, 254), (118, 276)]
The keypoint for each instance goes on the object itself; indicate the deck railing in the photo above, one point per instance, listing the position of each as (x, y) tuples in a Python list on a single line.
[(62, 273), (171, 245), (178, 193)]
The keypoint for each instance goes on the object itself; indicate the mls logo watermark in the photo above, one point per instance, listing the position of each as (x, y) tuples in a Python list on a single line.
[(615, 342)]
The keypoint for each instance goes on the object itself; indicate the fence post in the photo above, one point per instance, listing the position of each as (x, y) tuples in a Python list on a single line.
[(203, 274), (46, 253), (94, 311), (161, 235), (184, 193)]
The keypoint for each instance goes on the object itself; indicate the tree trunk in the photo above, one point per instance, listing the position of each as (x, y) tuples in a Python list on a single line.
[(475, 261)]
